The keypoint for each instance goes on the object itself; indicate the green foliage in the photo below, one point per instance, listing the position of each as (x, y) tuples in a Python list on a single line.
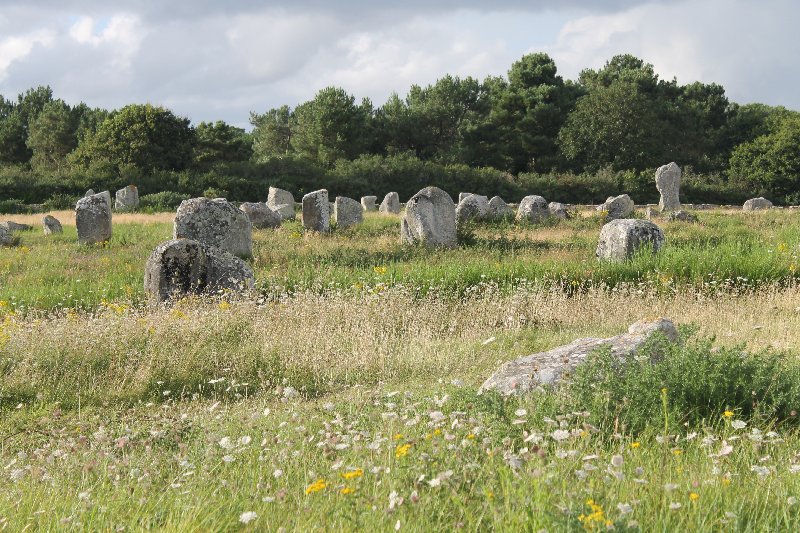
[(51, 137), (272, 133), (162, 201)]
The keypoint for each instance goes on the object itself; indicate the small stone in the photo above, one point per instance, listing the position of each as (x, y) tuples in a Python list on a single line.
[(282, 202), (682, 216), (93, 218), (317, 211), (558, 210), (51, 225), (472, 208), (6, 239), (347, 212), (620, 239), (261, 215), (532, 208), (368, 203), (617, 207), (756, 204), (499, 209), (127, 199), (12, 226), (391, 204)]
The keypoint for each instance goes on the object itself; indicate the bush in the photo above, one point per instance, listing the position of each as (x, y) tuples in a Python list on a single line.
[(162, 201)]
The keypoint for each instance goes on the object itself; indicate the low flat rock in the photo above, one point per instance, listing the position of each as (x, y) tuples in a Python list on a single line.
[(682, 216), (261, 215), (553, 366), (757, 204), (617, 207), (11, 226)]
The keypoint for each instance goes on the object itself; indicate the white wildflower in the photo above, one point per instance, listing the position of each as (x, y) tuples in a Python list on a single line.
[(247, 517), (738, 424), (560, 434), (624, 508)]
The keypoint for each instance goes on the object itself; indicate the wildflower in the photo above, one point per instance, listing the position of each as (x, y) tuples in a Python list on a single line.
[(397, 436), (379, 269), (738, 424), (791, 500), (521, 412), (346, 490), (635, 444), (693, 496), (353, 474), (560, 434), (728, 414), (225, 443), (402, 450), (223, 306), (317, 486), (677, 451), (674, 506), (624, 508), (247, 517), (617, 461)]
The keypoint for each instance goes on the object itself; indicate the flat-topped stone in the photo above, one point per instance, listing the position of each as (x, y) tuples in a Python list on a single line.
[(430, 219), (215, 222), (93, 218), (317, 211)]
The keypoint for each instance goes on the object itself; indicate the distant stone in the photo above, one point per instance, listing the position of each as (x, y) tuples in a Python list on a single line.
[(368, 203), (391, 204), (558, 210), (668, 183), (756, 204), (215, 223), (51, 225), (621, 238), (554, 366), (282, 202), (347, 212), (93, 218), (532, 208), (499, 209), (6, 238), (472, 208), (430, 219), (12, 226), (463, 195), (617, 207), (127, 199), (90, 192), (651, 213), (682, 216), (260, 215), (317, 211)]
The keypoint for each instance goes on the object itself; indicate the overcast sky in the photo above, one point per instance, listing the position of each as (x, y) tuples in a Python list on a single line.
[(212, 59)]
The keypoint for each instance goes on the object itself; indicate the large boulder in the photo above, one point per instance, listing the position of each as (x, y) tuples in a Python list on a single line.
[(282, 202), (347, 212), (472, 208), (532, 208), (430, 219), (756, 204), (93, 218), (181, 267), (127, 199), (51, 225), (390, 203), (215, 223), (499, 209), (668, 183), (260, 215), (553, 366), (621, 238), (617, 207), (317, 211), (368, 203), (558, 210)]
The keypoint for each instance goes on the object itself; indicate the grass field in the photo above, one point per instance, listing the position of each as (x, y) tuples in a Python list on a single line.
[(342, 393)]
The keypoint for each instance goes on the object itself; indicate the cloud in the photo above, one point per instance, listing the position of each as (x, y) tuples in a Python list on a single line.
[(18, 47)]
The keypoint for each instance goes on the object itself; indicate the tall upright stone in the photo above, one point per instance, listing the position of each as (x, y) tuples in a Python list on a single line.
[(668, 183), (317, 211), (260, 215), (127, 199), (6, 238), (51, 225), (347, 212), (499, 209), (532, 208), (93, 218), (621, 238), (282, 202), (215, 223), (472, 208), (391, 204), (368, 203), (430, 219)]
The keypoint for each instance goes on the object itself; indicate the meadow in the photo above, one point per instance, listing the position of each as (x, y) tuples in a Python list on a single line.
[(341, 394)]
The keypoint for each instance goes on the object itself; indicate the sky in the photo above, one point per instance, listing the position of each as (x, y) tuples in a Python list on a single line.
[(219, 60)]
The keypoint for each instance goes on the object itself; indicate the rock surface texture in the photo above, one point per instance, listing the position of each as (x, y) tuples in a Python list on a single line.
[(12, 226), (368, 203), (127, 199), (668, 183), (93, 218), (51, 225), (215, 223), (391, 204), (6, 239), (756, 204), (430, 219), (472, 207), (558, 210), (617, 207), (620, 239), (682, 216), (317, 211), (260, 215), (282, 202), (347, 212), (499, 209), (553, 366), (532, 208)]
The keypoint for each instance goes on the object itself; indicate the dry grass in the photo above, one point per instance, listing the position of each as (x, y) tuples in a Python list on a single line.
[(67, 218)]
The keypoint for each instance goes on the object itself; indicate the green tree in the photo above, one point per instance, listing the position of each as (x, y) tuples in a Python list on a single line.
[(12, 139), (219, 142), (272, 133), (51, 136)]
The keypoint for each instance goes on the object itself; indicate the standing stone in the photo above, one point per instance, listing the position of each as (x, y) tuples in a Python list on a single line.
[(215, 223), (51, 225), (317, 211), (6, 238), (391, 203), (617, 207), (90, 192), (93, 218), (472, 207), (282, 202), (368, 203), (668, 183), (558, 210), (347, 212), (260, 215), (532, 208), (756, 204), (499, 210), (463, 195), (430, 219), (620, 239), (127, 199), (682, 216), (650, 213)]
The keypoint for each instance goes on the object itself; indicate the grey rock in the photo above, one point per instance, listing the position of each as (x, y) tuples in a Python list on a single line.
[(668, 183), (472, 208), (12, 226), (90, 192), (51, 225), (390, 204), (558, 210), (621, 238), (6, 238), (282, 202), (617, 207), (93, 218), (317, 211), (532, 208), (215, 223), (347, 212), (462, 195), (650, 213), (430, 219), (368, 203), (555, 366), (499, 210), (127, 199), (260, 215), (756, 204), (682, 216)]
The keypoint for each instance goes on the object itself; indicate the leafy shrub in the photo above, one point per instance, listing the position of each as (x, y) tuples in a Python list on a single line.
[(162, 201), (12, 206)]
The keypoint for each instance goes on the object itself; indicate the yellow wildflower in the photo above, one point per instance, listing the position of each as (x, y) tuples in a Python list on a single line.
[(397, 436), (402, 450), (728, 414), (635, 444), (379, 269), (223, 306), (353, 474), (693, 496), (317, 486), (346, 490)]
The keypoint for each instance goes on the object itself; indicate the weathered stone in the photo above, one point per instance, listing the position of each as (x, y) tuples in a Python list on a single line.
[(12, 226), (682, 216), (390, 203), (215, 223), (260, 215), (430, 219), (51, 225), (93, 218), (181, 267), (532, 208), (621, 238), (127, 199), (368, 203), (90, 192), (462, 195), (617, 207), (555, 366), (347, 212), (668, 183), (558, 210), (317, 211), (472, 208), (756, 204), (6, 238), (282, 202), (499, 210), (650, 213)]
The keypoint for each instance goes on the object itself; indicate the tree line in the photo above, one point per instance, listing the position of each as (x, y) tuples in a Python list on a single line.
[(527, 132)]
